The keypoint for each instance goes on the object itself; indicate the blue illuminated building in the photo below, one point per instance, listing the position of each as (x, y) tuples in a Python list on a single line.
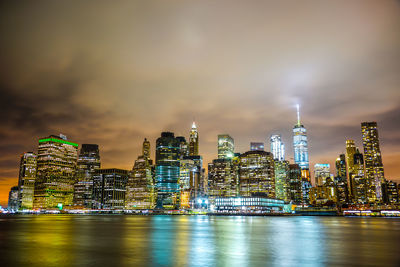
[(167, 171), (300, 145)]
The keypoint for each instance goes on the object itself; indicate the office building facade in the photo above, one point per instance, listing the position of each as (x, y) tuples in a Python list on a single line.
[(56, 169), (257, 174), (226, 146), (88, 163), (167, 171), (26, 181), (277, 147), (374, 173), (109, 188), (282, 179)]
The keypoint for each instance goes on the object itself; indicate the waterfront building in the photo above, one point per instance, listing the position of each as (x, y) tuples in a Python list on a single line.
[(226, 146), (222, 179), (56, 169), (277, 147), (140, 191), (26, 181), (295, 185), (390, 192), (167, 171), (282, 179), (88, 163), (13, 202), (374, 173), (341, 180), (321, 173), (256, 146), (194, 141), (300, 144), (109, 188), (256, 203), (256, 174), (359, 186)]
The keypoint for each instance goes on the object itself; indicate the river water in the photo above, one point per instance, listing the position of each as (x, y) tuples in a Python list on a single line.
[(115, 240)]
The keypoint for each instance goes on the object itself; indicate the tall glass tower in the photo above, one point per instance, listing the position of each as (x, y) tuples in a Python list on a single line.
[(226, 146), (300, 144), (88, 163), (167, 171), (277, 147), (373, 161), (26, 182)]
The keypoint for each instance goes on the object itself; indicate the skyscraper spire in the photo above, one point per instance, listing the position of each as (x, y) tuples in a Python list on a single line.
[(298, 114), (194, 141), (300, 145)]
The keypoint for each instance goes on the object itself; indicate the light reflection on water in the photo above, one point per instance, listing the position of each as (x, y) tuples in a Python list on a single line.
[(104, 240)]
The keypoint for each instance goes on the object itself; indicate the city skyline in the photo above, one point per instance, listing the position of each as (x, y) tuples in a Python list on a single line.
[(115, 81), (147, 151)]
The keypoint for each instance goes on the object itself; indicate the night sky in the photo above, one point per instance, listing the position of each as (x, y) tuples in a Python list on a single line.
[(113, 73)]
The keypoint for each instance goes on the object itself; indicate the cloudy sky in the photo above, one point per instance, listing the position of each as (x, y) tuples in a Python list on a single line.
[(113, 73)]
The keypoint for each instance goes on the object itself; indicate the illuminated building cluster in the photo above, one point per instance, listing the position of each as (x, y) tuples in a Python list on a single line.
[(254, 181)]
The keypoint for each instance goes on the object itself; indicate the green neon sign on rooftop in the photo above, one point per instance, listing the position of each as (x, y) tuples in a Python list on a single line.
[(57, 141)]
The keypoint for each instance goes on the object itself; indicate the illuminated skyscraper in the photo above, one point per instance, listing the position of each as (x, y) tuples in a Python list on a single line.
[(167, 171), (146, 149), (88, 163), (187, 173), (282, 179), (295, 190), (140, 191), (300, 144), (256, 146), (26, 182), (277, 147), (321, 173), (197, 182), (194, 141), (226, 146), (341, 179), (222, 178), (56, 168), (373, 161), (350, 151), (256, 174), (359, 185), (109, 188), (13, 202)]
